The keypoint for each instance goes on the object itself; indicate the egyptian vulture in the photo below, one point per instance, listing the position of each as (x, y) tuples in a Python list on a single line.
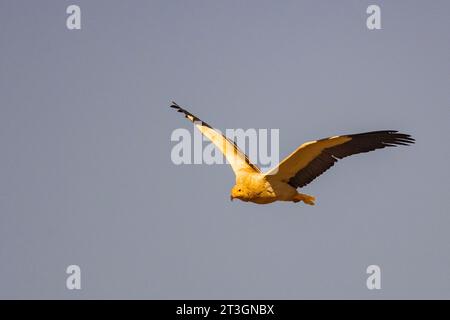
[(297, 170)]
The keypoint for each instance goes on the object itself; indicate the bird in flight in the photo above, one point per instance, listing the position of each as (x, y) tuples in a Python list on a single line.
[(298, 169)]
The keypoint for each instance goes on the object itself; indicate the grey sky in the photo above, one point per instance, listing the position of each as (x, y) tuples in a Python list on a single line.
[(86, 176)]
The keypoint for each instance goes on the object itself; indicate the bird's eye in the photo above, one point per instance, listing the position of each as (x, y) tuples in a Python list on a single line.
[(239, 190)]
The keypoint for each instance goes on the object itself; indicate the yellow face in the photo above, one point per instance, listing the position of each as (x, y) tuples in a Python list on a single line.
[(240, 193)]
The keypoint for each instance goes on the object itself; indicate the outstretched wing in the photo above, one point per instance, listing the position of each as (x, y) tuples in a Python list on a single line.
[(313, 158), (235, 157)]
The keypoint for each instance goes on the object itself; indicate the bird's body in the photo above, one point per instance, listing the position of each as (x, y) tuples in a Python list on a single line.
[(259, 188), (300, 168)]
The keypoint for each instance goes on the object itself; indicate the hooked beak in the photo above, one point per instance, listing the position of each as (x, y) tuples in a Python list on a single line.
[(231, 198)]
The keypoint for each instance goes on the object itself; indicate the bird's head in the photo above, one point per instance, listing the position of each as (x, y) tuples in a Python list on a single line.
[(239, 192)]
